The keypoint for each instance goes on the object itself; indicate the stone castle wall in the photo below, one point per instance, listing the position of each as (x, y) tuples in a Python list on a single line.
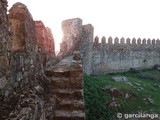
[(112, 56), (72, 32), (77, 36), (26, 52), (26, 60), (85, 47), (117, 55), (23, 85), (5, 48), (45, 43)]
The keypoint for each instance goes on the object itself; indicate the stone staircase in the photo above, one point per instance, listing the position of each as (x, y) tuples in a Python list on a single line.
[(67, 88)]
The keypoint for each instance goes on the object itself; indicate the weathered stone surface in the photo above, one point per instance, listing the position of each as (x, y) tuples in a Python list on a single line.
[(45, 42), (4, 62), (24, 38), (120, 79), (76, 55), (82, 41), (26, 60), (23, 86), (5, 50), (3, 82), (51, 43), (72, 31), (76, 79), (39, 89), (96, 40), (77, 37), (67, 87), (85, 48), (28, 103)]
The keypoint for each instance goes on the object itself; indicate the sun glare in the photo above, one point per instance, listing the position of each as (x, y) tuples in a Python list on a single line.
[(57, 38)]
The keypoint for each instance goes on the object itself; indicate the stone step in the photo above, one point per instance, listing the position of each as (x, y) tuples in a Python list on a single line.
[(49, 72), (67, 94), (56, 73), (62, 74), (70, 105), (69, 115), (58, 78), (61, 83)]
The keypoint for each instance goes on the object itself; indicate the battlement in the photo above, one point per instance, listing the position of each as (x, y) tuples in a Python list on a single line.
[(105, 55), (127, 41), (120, 54)]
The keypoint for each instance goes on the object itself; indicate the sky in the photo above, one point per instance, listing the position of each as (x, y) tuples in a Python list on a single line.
[(116, 18)]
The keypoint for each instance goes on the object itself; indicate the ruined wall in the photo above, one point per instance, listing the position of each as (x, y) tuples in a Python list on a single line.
[(41, 35), (85, 47), (26, 60), (30, 94), (114, 56), (72, 32), (118, 55), (50, 44), (77, 37), (5, 48), (23, 86), (45, 42), (23, 27)]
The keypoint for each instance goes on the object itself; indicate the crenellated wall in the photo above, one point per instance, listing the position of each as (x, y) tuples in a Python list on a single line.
[(108, 55), (122, 54), (122, 40)]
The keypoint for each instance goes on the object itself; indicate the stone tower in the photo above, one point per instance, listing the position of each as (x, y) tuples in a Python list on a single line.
[(77, 37)]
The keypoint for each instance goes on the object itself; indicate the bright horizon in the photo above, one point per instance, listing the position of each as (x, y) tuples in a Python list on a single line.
[(116, 18)]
